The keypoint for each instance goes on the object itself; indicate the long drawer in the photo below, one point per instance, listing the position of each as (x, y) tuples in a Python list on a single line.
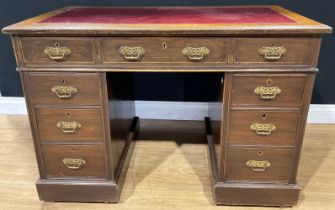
[(65, 88), (268, 90), (73, 161), (69, 124), (249, 164), (263, 127)]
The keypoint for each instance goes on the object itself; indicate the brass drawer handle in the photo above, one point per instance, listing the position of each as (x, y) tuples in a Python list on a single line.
[(262, 129), (195, 53), (132, 53), (68, 127), (57, 53), (64, 92), (258, 165), (267, 93), (74, 163), (272, 53)]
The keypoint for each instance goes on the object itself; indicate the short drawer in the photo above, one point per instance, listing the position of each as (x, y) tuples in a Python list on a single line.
[(65, 88), (263, 127), (268, 89), (259, 164), (57, 50), (66, 161), (161, 50), (273, 51), (69, 124)]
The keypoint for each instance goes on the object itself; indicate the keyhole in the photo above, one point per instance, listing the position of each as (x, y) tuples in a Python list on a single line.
[(63, 81), (57, 44), (68, 115), (268, 81), (164, 45), (273, 44), (264, 116), (72, 150), (260, 153)]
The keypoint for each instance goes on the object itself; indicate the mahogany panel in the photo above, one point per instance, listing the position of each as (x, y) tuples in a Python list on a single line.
[(91, 127), (93, 155)]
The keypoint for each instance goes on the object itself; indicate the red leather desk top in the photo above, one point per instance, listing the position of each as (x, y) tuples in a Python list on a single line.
[(178, 15)]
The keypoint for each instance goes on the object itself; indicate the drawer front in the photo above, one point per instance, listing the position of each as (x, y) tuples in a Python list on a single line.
[(66, 161), (268, 89), (160, 50), (273, 51), (65, 88), (57, 50), (263, 127), (69, 124), (259, 164)]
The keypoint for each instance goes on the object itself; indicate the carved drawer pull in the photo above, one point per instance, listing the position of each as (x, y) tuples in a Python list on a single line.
[(57, 53), (272, 53), (74, 163), (267, 93), (64, 92), (258, 165), (262, 129), (195, 53), (68, 127), (132, 53)]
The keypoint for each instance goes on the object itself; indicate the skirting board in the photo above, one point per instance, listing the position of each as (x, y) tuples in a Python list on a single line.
[(318, 113)]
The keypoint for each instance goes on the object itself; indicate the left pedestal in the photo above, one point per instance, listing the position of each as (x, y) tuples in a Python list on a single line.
[(82, 131)]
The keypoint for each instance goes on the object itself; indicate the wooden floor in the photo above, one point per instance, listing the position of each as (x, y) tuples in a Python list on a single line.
[(157, 175)]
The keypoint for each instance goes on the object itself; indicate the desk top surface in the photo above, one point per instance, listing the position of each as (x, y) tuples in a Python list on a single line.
[(169, 20)]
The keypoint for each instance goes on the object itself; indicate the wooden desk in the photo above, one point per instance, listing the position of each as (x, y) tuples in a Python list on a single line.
[(77, 63)]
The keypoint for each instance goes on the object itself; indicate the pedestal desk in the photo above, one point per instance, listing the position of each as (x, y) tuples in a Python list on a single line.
[(77, 66)]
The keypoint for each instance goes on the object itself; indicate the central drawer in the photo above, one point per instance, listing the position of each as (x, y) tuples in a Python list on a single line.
[(69, 124), (162, 50)]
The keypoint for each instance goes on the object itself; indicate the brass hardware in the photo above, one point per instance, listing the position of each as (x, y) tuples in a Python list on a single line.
[(73, 163), (57, 53), (262, 129), (68, 127), (195, 53), (267, 93), (132, 53), (64, 92), (258, 165), (272, 53)]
